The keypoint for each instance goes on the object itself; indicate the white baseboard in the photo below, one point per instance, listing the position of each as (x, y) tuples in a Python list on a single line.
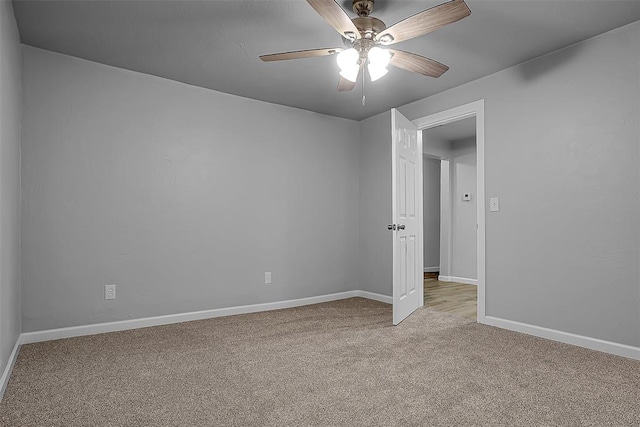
[(566, 337), (76, 331), (463, 280), (432, 269), (373, 296), (123, 325), (4, 380)]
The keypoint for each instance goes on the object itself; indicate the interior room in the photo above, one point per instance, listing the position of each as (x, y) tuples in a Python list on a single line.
[(217, 212)]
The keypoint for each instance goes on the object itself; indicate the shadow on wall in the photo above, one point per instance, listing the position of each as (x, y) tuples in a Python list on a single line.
[(532, 70)]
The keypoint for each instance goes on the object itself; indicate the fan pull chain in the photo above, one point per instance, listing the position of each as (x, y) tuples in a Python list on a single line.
[(363, 96)]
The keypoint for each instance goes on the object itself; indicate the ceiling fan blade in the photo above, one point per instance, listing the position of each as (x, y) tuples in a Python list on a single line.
[(425, 22), (417, 64), (345, 85), (311, 53), (335, 15)]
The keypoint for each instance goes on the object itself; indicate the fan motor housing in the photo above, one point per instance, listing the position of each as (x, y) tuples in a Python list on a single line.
[(369, 26)]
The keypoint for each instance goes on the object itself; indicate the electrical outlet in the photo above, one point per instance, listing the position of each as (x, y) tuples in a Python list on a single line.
[(267, 277), (109, 291)]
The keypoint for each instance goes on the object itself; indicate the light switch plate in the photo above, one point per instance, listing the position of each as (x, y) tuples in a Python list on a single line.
[(267, 277), (494, 204)]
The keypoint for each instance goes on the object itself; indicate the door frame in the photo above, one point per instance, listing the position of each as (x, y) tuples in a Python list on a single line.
[(472, 109)]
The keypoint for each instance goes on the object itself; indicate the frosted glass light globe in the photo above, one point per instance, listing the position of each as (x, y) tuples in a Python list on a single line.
[(376, 72), (348, 59), (350, 73), (379, 57)]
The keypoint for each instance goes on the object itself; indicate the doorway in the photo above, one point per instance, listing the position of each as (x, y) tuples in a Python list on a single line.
[(472, 110), (450, 217)]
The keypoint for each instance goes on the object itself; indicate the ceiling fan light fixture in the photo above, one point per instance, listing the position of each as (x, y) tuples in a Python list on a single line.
[(350, 73), (363, 35), (378, 61), (379, 57), (376, 72), (348, 59), (348, 63)]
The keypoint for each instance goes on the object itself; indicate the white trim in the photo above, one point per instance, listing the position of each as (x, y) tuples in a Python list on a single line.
[(373, 296), (446, 216), (123, 325), (450, 115), (462, 280), (566, 337), (420, 215), (432, 269), (471, 109), (4, 380)]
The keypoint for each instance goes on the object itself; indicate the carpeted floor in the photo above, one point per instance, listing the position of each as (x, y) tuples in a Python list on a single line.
[(338, 364)]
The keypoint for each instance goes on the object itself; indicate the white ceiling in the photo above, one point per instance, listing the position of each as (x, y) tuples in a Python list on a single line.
[(216, 44)]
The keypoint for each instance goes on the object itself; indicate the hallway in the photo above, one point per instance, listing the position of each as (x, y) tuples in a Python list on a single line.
[(450, 297)]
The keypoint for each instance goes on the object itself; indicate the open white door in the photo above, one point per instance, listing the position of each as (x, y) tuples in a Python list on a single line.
[(407, 217)]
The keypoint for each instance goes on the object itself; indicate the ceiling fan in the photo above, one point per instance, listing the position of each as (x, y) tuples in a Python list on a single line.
[(364, 35)]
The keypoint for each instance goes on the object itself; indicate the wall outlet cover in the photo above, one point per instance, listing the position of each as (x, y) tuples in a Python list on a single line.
[(109, 291)]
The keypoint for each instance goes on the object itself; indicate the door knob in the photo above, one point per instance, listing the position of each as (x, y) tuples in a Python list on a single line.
[(400, 227), (391, 227)]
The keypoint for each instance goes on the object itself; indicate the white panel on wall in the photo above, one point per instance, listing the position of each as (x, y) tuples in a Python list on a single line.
[(445, 218)]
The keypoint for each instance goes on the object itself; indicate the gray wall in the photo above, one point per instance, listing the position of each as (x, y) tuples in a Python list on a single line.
[(464, 261), (431, 213), (10, 107), (181, 196), (435, 146), (562, 153), (375, 253)]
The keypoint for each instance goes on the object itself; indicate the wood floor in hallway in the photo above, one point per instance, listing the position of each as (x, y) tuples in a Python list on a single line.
[(450, 297)]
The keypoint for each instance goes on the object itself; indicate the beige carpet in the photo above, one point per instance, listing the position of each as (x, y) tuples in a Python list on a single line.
[(338, 363)]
